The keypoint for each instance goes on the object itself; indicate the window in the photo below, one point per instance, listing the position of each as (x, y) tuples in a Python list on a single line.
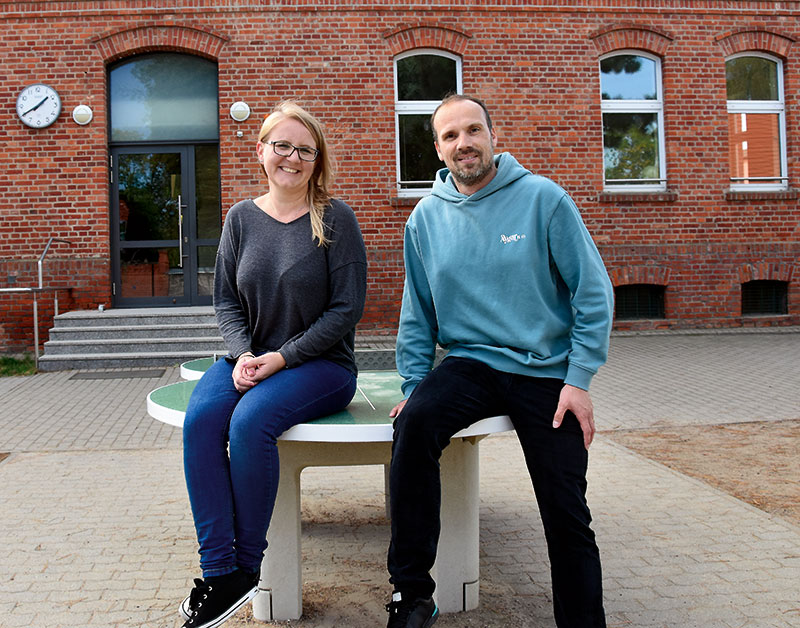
[(639, 301), (422, 79), (762, 296), (164, 96), (633, 124), (756, 124)]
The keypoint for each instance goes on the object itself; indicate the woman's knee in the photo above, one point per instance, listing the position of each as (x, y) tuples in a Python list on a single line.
[(212, 400), (253, 427), (203, 420)]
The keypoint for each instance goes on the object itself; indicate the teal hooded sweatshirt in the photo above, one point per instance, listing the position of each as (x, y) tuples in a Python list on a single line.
[(509, 276)]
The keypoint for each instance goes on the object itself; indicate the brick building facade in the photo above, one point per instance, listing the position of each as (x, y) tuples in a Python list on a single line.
[(688, 232)]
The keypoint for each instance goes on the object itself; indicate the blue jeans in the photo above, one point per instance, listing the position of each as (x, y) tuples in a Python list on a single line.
[(453, 396), (230, 453)]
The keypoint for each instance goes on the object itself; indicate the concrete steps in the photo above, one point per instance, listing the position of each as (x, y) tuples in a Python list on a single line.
[(135, 338), (129, 338)]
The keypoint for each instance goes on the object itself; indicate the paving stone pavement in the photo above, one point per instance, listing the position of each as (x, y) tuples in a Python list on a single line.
[(96, 529)]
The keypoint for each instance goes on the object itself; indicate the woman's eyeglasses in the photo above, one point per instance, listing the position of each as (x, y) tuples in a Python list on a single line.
[(285, 149)]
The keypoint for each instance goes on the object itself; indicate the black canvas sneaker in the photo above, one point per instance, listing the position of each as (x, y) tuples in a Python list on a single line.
[(190, 601), (214, 600), (413, 613)]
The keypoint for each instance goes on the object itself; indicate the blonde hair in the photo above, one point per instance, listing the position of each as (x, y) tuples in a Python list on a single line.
[(318, 196)]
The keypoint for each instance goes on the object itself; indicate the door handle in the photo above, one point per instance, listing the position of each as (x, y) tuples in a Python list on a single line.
[(180, 232)]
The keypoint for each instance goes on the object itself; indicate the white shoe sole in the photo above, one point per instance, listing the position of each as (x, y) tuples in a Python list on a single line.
[(183, 609)]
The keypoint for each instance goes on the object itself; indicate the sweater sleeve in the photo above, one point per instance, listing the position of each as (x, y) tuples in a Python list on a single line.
[(579, 263), (230, 315), (347, 279), (418, 329)]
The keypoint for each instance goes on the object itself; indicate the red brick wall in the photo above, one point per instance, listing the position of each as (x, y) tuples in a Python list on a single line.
[(536, 66)]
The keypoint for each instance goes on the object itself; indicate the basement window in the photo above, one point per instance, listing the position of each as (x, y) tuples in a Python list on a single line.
[(761, 296), (639, 301)]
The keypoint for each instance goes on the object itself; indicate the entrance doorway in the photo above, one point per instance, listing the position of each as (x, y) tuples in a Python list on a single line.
[(165, 180), (165, 217)]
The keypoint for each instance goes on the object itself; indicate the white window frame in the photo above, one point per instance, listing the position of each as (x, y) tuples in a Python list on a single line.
[(405, 107), (638, 106), (769, 107)]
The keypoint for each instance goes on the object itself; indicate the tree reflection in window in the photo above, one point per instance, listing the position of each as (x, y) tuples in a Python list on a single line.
[(632, 121)]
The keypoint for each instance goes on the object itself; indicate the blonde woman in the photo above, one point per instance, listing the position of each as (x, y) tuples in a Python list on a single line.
[(289, 289)]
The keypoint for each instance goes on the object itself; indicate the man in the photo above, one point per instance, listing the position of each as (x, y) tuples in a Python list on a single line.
[(501, 272)]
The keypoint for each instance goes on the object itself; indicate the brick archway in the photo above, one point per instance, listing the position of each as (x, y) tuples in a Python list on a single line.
[(147, 38), (765, 271), (627, 275), (630, 35), (426, 35), (751, 38)]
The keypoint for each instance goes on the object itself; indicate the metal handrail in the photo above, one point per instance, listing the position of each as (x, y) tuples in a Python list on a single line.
[(40, 261), (35, 291)]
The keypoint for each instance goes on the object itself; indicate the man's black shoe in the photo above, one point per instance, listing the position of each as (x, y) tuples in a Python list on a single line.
[(412, 613), (214, 600)]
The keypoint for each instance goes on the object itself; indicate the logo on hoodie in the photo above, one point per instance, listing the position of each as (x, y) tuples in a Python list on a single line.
[(514, 237)]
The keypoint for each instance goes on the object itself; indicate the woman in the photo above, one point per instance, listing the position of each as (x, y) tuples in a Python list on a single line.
[(289, 289)]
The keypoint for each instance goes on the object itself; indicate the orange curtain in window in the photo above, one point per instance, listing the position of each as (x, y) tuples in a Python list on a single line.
[(754, 146)]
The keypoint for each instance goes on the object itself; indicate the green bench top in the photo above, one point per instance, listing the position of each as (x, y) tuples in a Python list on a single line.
[(366, 419)]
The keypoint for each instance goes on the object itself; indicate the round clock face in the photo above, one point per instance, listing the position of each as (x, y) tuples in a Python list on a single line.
[(38, 106)]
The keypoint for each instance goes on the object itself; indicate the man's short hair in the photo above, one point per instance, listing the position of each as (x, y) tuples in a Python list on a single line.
[(452, 97)]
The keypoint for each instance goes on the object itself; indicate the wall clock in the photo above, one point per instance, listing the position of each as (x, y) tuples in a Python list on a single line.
[(38, 105)]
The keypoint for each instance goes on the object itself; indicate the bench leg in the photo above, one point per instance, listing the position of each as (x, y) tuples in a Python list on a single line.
[(280, 587), (280, 594), (456, 570)]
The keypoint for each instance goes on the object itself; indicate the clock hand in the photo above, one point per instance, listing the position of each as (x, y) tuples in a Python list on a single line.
[(36, 106)]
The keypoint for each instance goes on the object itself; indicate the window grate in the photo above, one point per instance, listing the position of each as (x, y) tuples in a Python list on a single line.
[(639, 301), (763, 296)]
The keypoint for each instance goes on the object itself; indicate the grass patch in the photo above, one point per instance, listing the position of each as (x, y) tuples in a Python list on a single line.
[(16, 366)]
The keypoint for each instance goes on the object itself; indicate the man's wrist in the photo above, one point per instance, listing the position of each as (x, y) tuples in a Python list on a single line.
[(246, 354)]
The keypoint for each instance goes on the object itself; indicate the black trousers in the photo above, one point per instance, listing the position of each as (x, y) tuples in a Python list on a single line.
[(454, 395)]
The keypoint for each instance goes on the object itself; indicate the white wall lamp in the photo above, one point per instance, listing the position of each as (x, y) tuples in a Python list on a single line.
[(82, 114), (240, 111)]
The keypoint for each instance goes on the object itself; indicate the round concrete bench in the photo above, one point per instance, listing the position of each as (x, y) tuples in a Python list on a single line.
[(359, 434)]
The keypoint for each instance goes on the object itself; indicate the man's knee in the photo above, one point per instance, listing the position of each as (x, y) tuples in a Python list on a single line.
[(421, 415)]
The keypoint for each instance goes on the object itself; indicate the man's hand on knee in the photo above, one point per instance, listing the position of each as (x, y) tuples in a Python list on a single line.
[(579, 403), (395, 412)]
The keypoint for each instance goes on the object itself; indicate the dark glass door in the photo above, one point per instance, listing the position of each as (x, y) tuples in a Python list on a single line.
[(165, 224)]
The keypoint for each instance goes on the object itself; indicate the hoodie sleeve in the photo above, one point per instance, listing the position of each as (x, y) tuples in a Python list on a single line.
[(417, 332), (579, 263)]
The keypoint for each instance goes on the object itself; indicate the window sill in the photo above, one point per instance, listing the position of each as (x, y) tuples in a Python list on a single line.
[(762, 195), (637, 197), (405, 201)]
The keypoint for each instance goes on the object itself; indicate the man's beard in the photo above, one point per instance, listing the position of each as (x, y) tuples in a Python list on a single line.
[(472, 177)]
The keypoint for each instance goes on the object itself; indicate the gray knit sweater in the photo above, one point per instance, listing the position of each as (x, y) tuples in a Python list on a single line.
[(276, 290)]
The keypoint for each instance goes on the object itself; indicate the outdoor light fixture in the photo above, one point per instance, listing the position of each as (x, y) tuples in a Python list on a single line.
[(240, 111), (82, 114)]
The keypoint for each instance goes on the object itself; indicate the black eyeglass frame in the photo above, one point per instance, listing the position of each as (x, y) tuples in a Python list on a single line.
[(294, 148)]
